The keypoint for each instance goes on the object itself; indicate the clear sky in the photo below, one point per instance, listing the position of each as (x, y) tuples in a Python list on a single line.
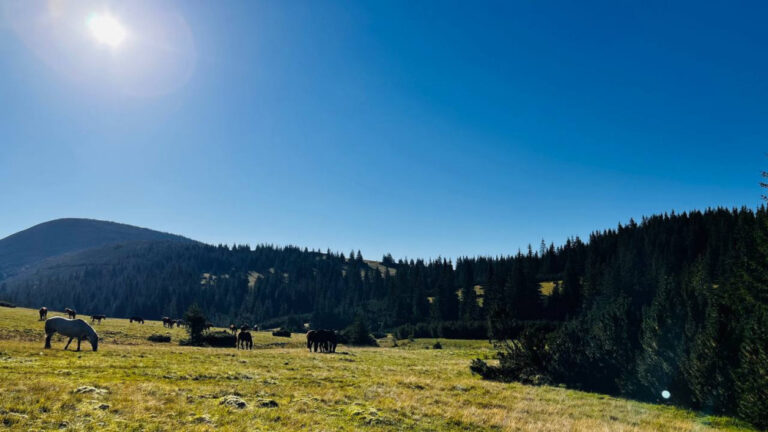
[(416, 128)]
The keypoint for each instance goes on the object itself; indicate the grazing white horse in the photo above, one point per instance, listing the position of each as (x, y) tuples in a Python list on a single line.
[(74, 328)]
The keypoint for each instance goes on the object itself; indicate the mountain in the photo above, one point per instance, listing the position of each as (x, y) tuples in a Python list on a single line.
[(20, 251)]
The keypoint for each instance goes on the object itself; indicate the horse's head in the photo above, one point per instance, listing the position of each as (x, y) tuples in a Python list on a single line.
[(93, 338)]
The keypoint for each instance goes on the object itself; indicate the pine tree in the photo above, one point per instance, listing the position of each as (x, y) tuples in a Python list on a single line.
[(195, 323), (469, 308)]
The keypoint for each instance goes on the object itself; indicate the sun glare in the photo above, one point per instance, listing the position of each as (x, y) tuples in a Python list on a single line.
[(106, 29)]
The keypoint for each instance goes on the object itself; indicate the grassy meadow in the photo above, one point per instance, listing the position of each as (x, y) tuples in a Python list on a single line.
[(133, 384)]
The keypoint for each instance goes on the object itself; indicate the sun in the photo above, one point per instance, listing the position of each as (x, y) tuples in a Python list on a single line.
[(106, 29)]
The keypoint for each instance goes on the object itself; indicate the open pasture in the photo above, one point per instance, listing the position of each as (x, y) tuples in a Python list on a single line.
[(133, 384)]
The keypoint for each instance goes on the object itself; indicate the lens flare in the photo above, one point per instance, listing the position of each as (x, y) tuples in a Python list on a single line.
[(665, 394), (106, 29)]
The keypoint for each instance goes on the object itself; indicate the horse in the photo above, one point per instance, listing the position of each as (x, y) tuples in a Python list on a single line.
[(310, 339), (245, 327), (71, 312), (74, 328), (136, 319), (167, 322), (232, 328), (244, 340), (43, 313), (255, 328), (324, 340), (331, 340), (97, 318)]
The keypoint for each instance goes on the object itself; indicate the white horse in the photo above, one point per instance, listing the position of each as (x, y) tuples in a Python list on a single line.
[(74, 328)]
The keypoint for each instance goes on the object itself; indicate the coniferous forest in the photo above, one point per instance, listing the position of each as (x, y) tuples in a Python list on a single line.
[(675, 302)]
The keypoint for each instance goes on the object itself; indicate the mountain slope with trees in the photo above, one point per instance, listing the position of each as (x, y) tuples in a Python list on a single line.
[(62, 236)]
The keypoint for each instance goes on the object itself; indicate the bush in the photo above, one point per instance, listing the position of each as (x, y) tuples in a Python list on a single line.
[(159, 338), (359, 333), (281, 333), (437, 345), (523, 358), (220, 339), (7, 304)]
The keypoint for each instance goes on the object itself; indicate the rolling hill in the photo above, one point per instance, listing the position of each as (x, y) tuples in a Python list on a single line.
[(25, 249)]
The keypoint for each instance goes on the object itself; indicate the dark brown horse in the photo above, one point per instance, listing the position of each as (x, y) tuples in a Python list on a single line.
[(324, 340), (167, 322), (244, 340), (43, 313), (137, 319), (232, 328), (71, 312), (98, 318)]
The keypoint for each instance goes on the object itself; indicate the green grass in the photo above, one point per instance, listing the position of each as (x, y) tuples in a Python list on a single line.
[(149, 386)]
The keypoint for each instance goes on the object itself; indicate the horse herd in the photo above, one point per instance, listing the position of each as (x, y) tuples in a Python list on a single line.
[(72, 314), (317, 340), (324, 340)]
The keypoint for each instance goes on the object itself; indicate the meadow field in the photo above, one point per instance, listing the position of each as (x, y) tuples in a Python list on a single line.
[(132, 384)]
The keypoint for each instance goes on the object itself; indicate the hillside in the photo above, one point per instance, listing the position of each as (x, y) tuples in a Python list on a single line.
[(163, 386), (20, 251)]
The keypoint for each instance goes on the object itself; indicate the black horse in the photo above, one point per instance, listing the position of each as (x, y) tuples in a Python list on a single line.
[(71, 312), (98, 318), (43, 313), (137, 319), (324, 340), (244, 340)]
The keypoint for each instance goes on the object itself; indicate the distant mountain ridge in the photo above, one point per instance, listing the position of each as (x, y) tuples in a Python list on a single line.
[(26, 248)]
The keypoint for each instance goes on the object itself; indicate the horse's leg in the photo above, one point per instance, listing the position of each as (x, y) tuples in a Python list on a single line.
[(78, 343), (48, 337), (68, 342)]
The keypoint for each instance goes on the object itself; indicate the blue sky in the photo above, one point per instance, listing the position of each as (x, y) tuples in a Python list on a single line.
[(416, 128)]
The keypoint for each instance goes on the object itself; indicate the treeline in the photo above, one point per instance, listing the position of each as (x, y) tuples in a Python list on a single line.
[(291, 285), (675, 307), (288, 286)]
